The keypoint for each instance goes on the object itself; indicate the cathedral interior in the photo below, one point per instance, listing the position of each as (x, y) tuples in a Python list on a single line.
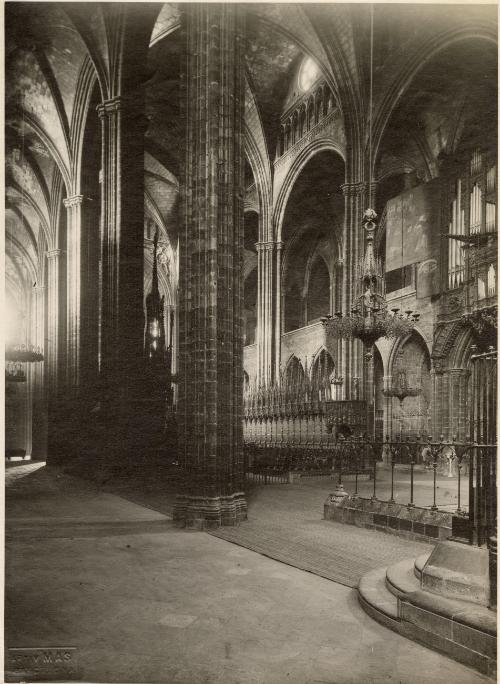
[(251, 342)]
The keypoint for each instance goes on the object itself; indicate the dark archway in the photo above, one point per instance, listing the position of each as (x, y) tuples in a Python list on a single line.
[(312, 229)]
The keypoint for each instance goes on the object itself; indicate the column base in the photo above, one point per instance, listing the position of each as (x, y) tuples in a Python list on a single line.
[(201, 512)]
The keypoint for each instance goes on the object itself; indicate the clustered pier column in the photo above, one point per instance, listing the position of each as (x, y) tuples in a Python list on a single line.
[(121, 323), (211, 270)]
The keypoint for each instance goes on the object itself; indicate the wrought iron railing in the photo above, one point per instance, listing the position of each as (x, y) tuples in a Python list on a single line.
[(393, 468)]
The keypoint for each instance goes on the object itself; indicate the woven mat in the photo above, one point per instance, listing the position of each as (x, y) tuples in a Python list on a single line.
[(296, 535)]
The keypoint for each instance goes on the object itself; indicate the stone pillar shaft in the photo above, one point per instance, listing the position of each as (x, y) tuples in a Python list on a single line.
[(52, 351), (211, 269), (352, 350), (278, 327), (74, 208), (440, 407), (122, 237), (39, 420), (265, 253)]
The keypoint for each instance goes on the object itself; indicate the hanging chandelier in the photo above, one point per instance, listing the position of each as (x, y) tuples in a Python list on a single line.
[(14, 372), (370, 318), (23, 353)]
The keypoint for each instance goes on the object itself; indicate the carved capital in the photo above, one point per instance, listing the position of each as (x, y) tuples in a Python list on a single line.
[(353, 189), (264, 246), (109, 107), (458, 372), (74, 201), (53, 253)]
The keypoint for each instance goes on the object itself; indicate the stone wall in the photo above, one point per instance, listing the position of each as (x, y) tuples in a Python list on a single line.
[(412, 523)]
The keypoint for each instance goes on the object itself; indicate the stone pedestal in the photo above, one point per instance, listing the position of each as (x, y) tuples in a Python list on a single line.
[(198, 512), (456, 570), (210, 406)]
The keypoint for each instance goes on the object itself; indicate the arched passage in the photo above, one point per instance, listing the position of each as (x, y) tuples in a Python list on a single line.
[(294, 373), (321, 371), (318, 291), (312, 229)]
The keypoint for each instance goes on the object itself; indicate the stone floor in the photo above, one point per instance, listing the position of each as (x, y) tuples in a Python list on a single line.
[(141, 601), (286, 523)]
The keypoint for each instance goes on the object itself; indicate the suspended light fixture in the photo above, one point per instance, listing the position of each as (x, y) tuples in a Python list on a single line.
[(14, 372), (22, 353), (370, 319)]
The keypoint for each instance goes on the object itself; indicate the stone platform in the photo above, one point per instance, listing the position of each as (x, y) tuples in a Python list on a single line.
[(466, 631), (414, 522)]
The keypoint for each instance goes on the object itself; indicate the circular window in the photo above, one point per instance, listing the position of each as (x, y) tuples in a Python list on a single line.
[(309, 73)]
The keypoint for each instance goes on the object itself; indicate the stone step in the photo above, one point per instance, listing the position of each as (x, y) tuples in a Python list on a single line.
[(377, 600), (400, 578), (419, 565), (463, 630)]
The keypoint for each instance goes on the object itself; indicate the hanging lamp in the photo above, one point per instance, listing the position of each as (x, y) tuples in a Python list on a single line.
[(370, 319)]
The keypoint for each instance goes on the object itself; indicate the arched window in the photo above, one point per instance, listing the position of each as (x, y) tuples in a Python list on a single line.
[(287, 135), (282, 141), (293, 308), (310, 113), (319, 104), (295, 136), (303, 121), (294, 374), (309, 73), (318, 292), (326, 101), (322, 369)]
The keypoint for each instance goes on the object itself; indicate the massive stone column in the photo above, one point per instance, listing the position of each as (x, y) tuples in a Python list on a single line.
[(211, 270), (73, 241)]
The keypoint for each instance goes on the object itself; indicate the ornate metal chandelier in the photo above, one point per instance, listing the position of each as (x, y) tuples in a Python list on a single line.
[(370, 318), (14, 372), (22, 353)]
